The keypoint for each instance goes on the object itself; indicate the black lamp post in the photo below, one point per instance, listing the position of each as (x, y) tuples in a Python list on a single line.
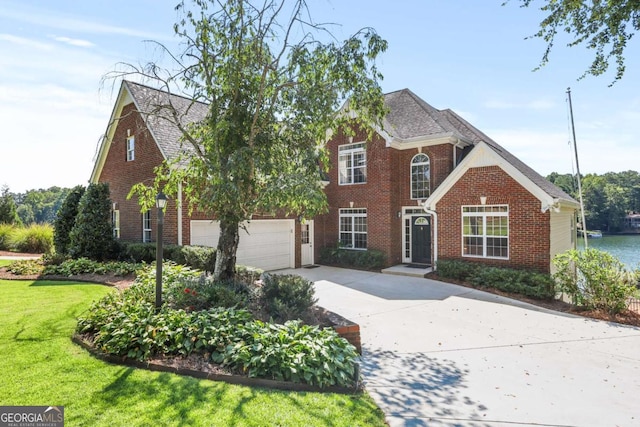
[(161, 203)]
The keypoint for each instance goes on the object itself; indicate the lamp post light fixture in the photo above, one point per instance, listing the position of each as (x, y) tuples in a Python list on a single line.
[(161, 203)]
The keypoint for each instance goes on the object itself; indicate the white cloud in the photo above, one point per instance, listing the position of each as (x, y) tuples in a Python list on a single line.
[(25, 42), (73, 42), (50, 19)]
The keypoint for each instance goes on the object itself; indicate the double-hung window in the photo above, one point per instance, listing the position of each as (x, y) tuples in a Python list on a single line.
[(353, 228), (146, 226), (485, 231), (352, 164), (131, 148)]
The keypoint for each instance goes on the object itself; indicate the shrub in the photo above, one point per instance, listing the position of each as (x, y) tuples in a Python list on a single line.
[(202, 292), (523, 282), (137, 252), (66, 218), (595, 279), (36, 238), (5, 232), (200, 257), (528, 283), (455, 269), (371, 259), (248, 275), (92, 235), (287, 296)]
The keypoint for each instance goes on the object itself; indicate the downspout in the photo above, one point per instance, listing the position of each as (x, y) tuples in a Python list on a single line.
[(179, 207), (435, 235)]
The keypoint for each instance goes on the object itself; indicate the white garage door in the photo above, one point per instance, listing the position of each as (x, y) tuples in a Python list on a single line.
[(267, 243)]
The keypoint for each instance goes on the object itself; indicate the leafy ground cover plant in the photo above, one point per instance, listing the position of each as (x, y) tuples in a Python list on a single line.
[(127, 324), (595, 279), (38, 318)]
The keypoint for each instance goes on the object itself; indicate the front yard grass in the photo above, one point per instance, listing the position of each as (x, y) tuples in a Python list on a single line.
[(5, 262), (41, 366)]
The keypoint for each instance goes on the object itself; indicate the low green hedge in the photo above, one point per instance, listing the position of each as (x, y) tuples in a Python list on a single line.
[(199, 257), (528, 283), (371, 259)]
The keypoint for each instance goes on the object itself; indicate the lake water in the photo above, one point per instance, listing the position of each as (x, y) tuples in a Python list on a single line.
[(625, 248)]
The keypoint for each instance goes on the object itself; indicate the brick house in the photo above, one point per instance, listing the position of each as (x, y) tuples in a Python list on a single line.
[(139, 136), (427, 186), (431, 186)]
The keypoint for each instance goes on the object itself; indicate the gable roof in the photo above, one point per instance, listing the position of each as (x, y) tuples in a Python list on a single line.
[(410, 119), (154, 106)]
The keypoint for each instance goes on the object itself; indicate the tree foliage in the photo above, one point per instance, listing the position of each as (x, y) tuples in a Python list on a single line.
[(8, 210), (273, 82), (608, 198), (65, 220), (92, 235), (606, 26)]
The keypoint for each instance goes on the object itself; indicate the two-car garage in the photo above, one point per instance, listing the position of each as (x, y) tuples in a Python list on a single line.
[(267, 243)]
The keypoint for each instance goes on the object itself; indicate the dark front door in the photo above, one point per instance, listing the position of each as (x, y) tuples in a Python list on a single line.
[(421, 240)]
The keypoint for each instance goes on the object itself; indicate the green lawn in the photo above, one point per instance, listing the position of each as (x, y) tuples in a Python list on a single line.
[(5, 262), (41, 366)]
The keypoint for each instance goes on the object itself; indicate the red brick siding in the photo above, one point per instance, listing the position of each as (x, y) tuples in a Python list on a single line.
[(387, 190), (121, 175), (529, 228)]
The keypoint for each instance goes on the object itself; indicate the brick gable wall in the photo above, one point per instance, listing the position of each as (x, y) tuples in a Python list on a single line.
[(121, 175), (529, 228)]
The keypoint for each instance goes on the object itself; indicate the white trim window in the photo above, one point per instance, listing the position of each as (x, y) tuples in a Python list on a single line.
[(115, 223), (485, 231), (131, 148), (146, 226), (353, 228), (420, 177), (352, 164)]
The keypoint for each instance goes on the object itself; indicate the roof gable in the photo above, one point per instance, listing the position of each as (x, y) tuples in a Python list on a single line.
[(156, 108)]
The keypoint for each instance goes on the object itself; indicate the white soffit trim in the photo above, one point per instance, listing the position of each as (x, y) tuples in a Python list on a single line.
[(481, 156)]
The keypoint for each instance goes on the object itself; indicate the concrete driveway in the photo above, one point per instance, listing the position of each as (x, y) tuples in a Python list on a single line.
[(437, 354)]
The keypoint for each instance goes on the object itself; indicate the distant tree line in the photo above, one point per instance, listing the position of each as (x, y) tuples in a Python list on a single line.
[(607, 198), (32, 207)]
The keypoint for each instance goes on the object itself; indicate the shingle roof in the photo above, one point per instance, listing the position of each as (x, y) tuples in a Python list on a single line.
[(155, 107), (410, 117)]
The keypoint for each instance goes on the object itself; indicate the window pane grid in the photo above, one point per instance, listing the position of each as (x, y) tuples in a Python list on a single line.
[(353, 228), (485, 231), (352, 164)]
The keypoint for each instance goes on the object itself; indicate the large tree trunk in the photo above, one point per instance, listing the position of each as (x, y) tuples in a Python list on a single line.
[(226, 253)]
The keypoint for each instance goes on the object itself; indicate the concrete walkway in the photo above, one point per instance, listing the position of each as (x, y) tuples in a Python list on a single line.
[(437, 354)]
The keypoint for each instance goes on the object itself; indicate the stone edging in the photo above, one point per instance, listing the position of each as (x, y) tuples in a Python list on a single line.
[(230, 379)]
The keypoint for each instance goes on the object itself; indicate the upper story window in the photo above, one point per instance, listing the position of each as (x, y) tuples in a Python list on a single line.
[(353, 228), (485, 231), (131, 148), (420, 176), (146, 226), (352, 164)]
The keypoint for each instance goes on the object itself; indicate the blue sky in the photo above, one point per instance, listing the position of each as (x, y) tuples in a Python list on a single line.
[(467, 55)]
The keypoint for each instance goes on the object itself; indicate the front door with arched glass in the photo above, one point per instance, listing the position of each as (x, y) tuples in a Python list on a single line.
[(421, 239)]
